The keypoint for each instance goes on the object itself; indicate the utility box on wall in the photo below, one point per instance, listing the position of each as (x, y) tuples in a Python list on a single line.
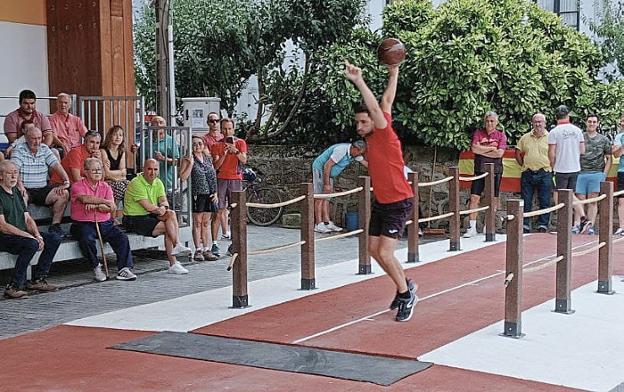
[(196, 110)]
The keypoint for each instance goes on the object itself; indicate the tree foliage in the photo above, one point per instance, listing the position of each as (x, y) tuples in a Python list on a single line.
[(609, 28)]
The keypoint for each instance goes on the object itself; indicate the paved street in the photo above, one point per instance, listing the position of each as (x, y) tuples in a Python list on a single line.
[(81, 297)]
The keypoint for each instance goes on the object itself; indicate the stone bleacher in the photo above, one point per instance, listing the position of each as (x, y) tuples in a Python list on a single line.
[(69, 249)]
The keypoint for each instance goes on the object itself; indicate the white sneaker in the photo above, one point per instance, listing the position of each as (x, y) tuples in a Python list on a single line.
[(181, 250), (470, 233), (99, 274), (322, 228), (619, 231), (126, 274), (177, 269), (331, 226), (226, 236)]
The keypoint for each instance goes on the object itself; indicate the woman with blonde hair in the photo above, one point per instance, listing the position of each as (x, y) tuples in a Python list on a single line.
[(114, 161)]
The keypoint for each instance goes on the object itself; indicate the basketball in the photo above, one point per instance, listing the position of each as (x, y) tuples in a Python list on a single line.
[(391, 51)]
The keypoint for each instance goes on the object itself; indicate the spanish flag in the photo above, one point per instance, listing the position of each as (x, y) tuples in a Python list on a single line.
[(511, 170)]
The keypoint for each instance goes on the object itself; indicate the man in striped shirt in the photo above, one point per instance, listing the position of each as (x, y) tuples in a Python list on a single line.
[(34, 159)]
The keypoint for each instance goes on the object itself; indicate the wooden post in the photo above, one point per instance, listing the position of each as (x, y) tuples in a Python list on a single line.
[(490, 214), (240, 298), (605, 267), (455, 221), (412, 230), (364, 205), (514, 252), (308, 274), (563, 302)]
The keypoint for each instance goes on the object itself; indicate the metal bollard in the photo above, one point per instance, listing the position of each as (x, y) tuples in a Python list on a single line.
[(364, 205), (308, 273), (240, 298), (412, 230)]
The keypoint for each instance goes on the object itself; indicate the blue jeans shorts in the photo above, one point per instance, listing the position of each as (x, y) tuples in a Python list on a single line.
[(589, 182)]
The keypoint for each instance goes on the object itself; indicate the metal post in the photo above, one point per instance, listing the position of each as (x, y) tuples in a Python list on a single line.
[(455, 221), (514, 253), (308, 274), (364, 205), (490, 200), (412, 230), (605, 267), (563, 302), (240, 298)]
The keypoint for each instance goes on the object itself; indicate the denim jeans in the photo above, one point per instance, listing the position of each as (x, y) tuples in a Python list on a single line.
[(86, 234), (25, 249), (542, 181)]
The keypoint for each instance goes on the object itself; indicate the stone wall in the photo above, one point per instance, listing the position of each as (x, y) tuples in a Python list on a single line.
[(287, 166)]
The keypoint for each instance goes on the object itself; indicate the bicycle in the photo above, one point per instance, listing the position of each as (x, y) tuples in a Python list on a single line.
[(264, 195)]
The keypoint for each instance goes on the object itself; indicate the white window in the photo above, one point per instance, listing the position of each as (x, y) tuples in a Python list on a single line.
[(568, 10)]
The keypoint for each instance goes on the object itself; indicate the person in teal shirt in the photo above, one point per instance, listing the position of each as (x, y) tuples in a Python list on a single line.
[(165, 150), (618, 151)]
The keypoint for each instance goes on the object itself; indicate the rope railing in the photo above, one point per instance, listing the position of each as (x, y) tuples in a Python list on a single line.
[(432, 218), (275, 248), (276, 205), (589, 201), (543, 265), (437, 182), (338, 236), (473, 178), (543, 211), (618, 193), (466, 212), (590, 250), (338, 194), (232, 261)]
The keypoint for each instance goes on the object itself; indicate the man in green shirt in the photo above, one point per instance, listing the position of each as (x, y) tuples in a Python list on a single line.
[(20, 236), (146, 212)]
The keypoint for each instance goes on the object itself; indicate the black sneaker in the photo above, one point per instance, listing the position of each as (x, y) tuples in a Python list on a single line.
[(215, 250), (542, 229), (583, 226), (57, 230), (395, 302), (406, 306)]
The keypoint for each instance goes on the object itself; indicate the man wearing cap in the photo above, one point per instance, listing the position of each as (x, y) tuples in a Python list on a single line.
[(325, 168), (565, 147), (532, 155), (488, 146)]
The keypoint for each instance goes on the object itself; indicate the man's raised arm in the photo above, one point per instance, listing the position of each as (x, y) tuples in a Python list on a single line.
[(354, 74), (388, 96)]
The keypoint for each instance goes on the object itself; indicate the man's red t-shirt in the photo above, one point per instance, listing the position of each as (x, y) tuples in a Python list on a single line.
[(230, 168), (385, 165), (74, 160)]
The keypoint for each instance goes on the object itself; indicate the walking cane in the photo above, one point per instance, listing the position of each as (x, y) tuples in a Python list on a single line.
[(97, 229)]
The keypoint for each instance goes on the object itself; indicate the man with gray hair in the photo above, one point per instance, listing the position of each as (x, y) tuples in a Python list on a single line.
[(91, 205), (488, 146), (325, 168), (68, 129)]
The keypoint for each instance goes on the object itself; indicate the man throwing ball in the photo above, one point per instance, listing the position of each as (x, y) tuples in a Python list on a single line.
[(393, 195)]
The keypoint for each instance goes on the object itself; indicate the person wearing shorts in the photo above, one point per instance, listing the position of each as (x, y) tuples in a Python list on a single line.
[(394, 198), (488, 145), (618, 151), (325, 168), (146, 212)]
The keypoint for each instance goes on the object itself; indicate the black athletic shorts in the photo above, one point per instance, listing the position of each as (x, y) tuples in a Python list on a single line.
[(141, 224), (37, 196), (204, 203), (620, 182), (389, 219), (478, 186)]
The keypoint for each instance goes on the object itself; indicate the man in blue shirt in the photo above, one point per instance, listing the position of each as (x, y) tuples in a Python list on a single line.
[(618, 151), (325, 168)]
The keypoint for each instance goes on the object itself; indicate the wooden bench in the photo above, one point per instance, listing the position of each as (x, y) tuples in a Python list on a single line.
[(69, 249)]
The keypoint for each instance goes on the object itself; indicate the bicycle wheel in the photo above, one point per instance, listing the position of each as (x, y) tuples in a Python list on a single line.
[(264, 216)]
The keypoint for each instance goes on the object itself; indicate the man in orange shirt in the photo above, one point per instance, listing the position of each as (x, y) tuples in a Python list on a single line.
[(73, 163), (69, 129), (227, 155)]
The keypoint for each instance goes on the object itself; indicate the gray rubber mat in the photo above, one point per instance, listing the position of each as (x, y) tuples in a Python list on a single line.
[(348, 366)]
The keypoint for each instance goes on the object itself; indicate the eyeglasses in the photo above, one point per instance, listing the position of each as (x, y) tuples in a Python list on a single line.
[(213, 121)]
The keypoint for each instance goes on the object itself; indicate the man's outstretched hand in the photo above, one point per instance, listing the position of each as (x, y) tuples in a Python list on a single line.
[(352, 72)]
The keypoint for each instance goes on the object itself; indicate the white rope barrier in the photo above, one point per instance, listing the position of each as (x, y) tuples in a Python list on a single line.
[(330, 195), (466, 212), (543, 211), (542, 266), (442, 181), (432, 218), (276, 205), (275, 248), (590, 250), (618, 193), (480, 176), (337, 236), (589, 201)]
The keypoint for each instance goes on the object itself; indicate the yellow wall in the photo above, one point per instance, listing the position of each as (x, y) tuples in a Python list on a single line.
[(23, 11)]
